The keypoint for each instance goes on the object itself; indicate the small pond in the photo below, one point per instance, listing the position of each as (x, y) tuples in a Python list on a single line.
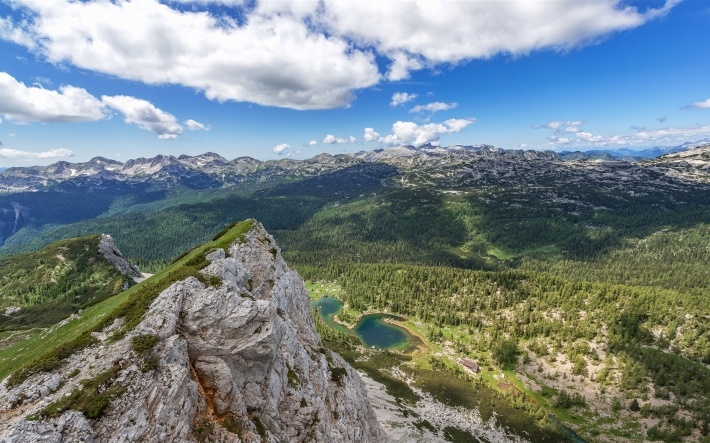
[(372, 329)]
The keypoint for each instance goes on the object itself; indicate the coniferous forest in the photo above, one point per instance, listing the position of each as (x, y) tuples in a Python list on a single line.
[(591, 298)]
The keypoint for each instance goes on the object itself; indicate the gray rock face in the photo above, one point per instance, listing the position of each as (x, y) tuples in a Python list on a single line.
[(71, 426), (240, 362), (108, 248)]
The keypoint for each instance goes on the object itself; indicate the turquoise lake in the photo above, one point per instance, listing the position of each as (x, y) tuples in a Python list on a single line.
[(372, 329)]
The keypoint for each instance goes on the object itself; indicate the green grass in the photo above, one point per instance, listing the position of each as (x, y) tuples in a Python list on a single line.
[(20, 354), (55, 282), (499, 253), (92, 399), (46, 351), (319, 289)]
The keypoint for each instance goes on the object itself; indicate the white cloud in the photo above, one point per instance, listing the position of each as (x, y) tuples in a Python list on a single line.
[(370, 135), (410, 133), (12, 32), (144, 114), (434, 107), (400, 98), (44, 81), (207, 2), (641, 137), (312, 143), (54, 153), (331, 139), (302, 54), (282, 149), (402, 64), (559, 140), (588, 137), (700, 105), (561, 126), (272, 59), (193, 125), (427, 33), (22, 103), (664, 135)]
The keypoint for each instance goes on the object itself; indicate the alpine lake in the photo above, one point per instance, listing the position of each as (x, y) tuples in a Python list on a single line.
[(373, 330)]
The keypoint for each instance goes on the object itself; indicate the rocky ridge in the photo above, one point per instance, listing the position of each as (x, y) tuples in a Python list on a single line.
[(693, 164), (109, 249), (210, 170), (236, 361), (207, 170)]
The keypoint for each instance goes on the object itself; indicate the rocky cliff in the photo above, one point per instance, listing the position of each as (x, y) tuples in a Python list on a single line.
[(109, 249), (236, 361)]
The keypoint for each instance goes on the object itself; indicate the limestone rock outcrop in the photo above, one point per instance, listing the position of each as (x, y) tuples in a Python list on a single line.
[(237, 361), (108, 248)]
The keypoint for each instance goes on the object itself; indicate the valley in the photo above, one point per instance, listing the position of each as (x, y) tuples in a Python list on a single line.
[(582, 285)]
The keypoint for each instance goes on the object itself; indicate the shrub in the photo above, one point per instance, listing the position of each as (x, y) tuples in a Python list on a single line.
[(144, 343)]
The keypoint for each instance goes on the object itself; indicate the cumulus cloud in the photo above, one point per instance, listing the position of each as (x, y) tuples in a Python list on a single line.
[(424, 34), (331, 139), (641, 137), (410, 133), (282, 149), (561, 126), (207, 2), (22, 103), (559, 140), (312, 143), (193, 125), (402, 65), (400, 98), (54, 153), (664, 135), (700, 105), (371, 135), (589, 137), (273, 58), (434, 107), (302, 54), (569, 132), (144, 114)]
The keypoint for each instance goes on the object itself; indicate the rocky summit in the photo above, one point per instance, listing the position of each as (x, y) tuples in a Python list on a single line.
[(234, 360)]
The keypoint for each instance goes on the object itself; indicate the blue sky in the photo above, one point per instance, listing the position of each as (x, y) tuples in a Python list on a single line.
[(296, 78)]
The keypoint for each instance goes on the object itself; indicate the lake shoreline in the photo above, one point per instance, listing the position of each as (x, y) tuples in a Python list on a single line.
[(374, 329)]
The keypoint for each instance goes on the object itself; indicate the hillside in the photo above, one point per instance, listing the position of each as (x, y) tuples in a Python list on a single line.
[(41, 288), (581, 284), (223, 341)]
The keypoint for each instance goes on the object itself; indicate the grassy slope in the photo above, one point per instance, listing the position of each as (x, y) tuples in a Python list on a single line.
[(16, 356), (53, 283), (132, 301)]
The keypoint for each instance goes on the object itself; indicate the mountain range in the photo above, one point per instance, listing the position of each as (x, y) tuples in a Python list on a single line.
[(211, 170), (578, 286)]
